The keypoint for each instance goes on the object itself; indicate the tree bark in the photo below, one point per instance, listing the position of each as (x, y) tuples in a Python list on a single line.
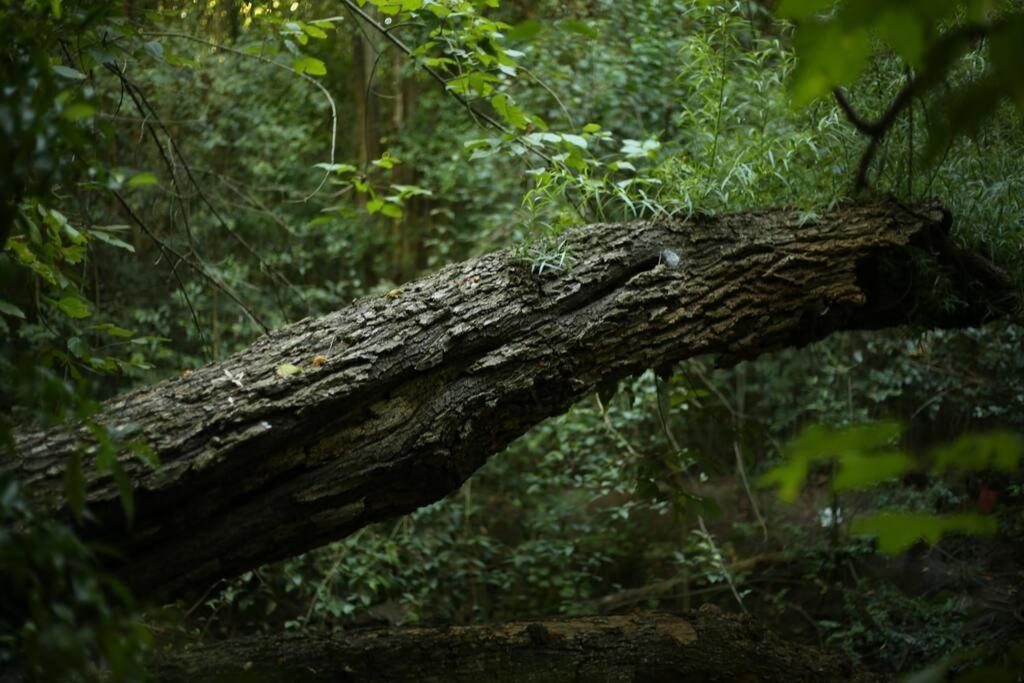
[(706, 646), (401, 397)]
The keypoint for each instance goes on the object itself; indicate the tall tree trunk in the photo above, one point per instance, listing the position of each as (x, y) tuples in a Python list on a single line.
[(400, 398), (367, 122), (406, 240)]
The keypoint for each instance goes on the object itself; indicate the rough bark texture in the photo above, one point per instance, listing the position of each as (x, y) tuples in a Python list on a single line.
[(703, 647), (403, 396)]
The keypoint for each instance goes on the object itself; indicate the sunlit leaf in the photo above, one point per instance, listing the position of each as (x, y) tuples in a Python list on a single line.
[(309, 65), (144, 179), (999, 450), (897, 531), (858, 471), (287, 370)]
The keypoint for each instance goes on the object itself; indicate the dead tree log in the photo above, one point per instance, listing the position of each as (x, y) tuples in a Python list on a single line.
[(390, 403), (705, 646)]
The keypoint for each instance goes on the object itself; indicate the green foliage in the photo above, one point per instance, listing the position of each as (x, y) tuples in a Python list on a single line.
[(897, 531), (43, 105), (835, 41), (271, 163), (59, 617), (866, 455)]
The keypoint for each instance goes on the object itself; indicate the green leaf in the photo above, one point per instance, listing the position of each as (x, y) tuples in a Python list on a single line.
[(68, 72), (11, 310), (374, 205), (113, 330), (828, 56), (386, 161), (391, 210), (856, 446), (111, 240), (79, 111), (144, 179), (897, 531), (287, 370), (336, 168), (903, 30), (1000, 450), (309, 65), (72, 306), (857, 471), (575, 140), (508, 110), (79, 348), (524, 30), (314, 31), (591, 128)]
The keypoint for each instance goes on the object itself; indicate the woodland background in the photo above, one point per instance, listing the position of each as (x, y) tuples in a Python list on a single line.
[(180, 176)]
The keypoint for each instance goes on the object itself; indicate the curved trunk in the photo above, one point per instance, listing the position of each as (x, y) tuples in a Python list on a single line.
[(390, 403)]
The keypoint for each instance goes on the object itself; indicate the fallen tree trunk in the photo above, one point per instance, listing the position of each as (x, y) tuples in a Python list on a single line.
[(390, 403), (706, 647)]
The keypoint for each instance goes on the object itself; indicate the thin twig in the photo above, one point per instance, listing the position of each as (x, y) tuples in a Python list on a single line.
[(285, 67), (550, 91), (204, 341), (877, 130), (135, 90), (746, 485), (721, 564), (194, 266)]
